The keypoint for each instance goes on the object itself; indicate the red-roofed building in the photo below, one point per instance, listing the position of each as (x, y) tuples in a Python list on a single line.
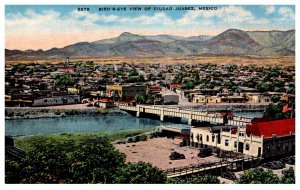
[(279, 128), (263, 139), (104, 103)]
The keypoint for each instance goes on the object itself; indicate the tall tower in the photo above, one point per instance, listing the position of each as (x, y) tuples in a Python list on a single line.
[(67, 60)]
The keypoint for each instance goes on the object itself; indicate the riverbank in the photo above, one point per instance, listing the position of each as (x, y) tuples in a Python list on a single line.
[(12, 113), (27, 143)]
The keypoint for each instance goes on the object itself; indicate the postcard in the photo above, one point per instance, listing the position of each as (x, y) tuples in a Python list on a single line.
[(149, 94)]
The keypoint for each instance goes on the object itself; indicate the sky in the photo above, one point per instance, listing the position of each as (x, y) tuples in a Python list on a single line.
[(48, 26)]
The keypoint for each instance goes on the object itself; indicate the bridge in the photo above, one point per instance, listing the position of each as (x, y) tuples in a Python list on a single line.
[(237, 163), (190, 114)]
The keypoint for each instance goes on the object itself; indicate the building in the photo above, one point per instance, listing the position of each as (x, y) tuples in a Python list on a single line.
[(263, 139), (105, 103), (206, 99), (178, 132), (260, 99), (204, 137), (123, 92), (170, 99), (233, 99), (56, 100), (288, 98)]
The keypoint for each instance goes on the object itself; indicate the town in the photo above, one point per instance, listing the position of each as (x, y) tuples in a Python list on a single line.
[(204, 94), (106, 85)]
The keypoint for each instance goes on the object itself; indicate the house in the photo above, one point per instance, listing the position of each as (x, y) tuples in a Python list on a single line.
[(56, 100), (66, 69), (206, 99), (233, 99), (260, 98), (123, 92), (288, 98), (105, 103), (73, 91), (175, 87), (170, 99)]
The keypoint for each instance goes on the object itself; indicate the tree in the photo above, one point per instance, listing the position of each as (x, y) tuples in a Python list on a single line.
[(141, 99), (64, 79), (134, 72), (288, 176), (291, 91), (92, 160), (204, 179), (275, 111), (12, 171), (46, 163), (258, 176), (139, 173), (188, 85), (275, 98), (95, 160), (264, 87)]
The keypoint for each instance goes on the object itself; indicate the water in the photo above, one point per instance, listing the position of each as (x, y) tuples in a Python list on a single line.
[(43, 126), (248, 114), (88, 124)]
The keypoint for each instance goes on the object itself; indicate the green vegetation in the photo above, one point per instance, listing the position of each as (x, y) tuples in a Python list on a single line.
[(258, 176), (139, 173), (261, 176), (288, 176), (92, 159), (146, 99), (275, 98), (201, 179), (29, 142), (64, 79), (188, 85), (275, 111)]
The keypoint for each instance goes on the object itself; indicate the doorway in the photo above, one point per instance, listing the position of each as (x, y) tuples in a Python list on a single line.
[(241, 147)]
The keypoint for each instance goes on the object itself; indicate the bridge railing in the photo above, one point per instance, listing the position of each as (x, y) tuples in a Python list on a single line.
[(173, 111), (195, 168)]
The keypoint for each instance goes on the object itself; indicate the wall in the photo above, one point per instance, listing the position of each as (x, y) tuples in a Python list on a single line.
[(58, 100)]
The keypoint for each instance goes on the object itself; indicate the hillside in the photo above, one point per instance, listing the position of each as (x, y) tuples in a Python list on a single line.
[(230, 42)]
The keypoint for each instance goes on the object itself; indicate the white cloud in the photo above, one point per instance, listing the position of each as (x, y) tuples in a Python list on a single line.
[(286, 12), (76, 23), (270, 9)]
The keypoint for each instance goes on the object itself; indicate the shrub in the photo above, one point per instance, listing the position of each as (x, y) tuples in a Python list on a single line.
[(258, 176), (176, 156)]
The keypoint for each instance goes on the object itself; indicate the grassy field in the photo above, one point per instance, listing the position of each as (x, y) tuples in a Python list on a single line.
[(29, 142)]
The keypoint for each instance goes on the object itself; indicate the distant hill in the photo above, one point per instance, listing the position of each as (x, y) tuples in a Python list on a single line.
[(230, 42)]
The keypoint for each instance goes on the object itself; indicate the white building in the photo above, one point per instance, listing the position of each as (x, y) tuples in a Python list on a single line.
[(56, 100)]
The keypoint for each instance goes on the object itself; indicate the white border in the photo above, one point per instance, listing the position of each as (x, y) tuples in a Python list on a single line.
[(136, 2)]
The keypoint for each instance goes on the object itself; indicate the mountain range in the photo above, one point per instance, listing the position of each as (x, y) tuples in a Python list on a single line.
[(229, 42)]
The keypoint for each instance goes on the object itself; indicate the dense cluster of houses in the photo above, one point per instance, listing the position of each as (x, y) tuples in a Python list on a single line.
[(35, 84)]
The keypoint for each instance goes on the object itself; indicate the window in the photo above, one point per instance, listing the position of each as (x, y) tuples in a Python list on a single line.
[(235, 144), (45, 100), (207, 138), (226, 142), (247, 146), (213, 138), (241, 134)]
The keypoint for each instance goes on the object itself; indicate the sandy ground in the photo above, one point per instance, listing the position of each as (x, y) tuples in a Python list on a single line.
[(72, 106), (157, 151), (240, 60)]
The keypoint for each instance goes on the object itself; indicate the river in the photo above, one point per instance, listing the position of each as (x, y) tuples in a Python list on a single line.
[(85, 124)]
